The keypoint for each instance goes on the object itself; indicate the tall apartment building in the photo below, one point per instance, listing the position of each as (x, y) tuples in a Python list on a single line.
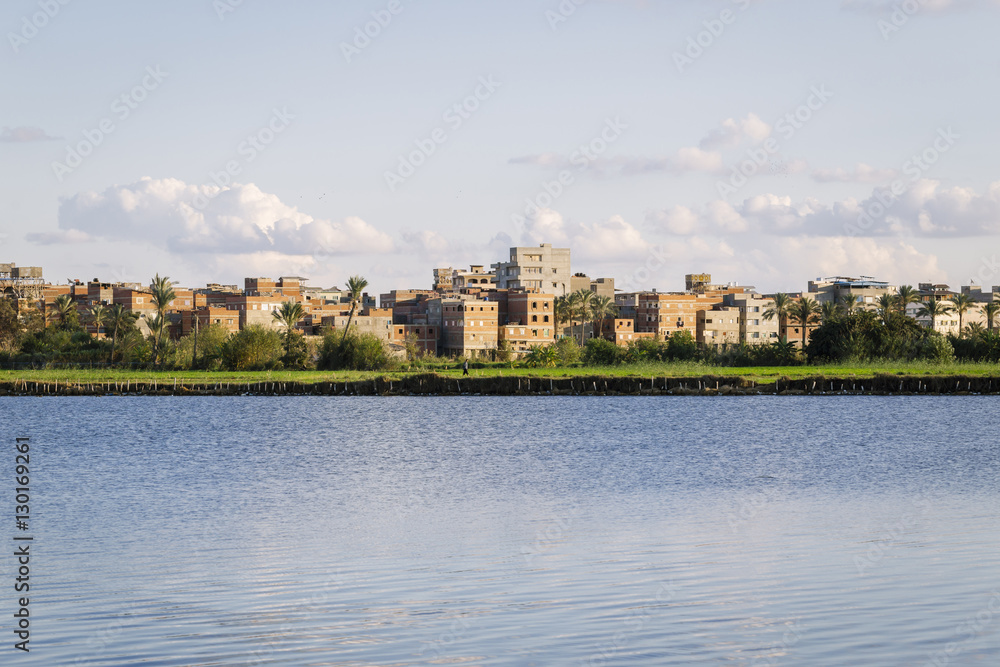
[(543, 269), (666, 313), (719, 327)]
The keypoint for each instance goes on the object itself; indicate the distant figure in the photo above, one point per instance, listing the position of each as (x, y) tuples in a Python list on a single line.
[(465, 367)]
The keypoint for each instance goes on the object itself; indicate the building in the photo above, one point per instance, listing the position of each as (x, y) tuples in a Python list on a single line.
[(542, 269), (599, 286), (21, 282), (622, 332), (719, 327), (755, 329), (469, 327), (865, 288), (666, 313)]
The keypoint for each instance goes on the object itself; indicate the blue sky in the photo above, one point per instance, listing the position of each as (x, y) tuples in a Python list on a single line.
[(666, 123)]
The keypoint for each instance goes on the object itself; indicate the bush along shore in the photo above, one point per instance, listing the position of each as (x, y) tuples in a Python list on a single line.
[(431, 384)]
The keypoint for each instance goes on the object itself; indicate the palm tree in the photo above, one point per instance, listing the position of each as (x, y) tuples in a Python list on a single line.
[(780, 310), (934, 309), (601, 308), (990, 311), (886, 304), (961, 304), (585, 310), (804, 311), (829, 312), (98, 315), (975, 330), (906, 295), (562, 312), (163, 295), (849, 302), (120, 318), (573, 310), (63, 308), (356, 286), (289, 314), (539, 356)]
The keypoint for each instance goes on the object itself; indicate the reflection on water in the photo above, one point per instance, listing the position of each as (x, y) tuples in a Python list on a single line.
[(513, 531)]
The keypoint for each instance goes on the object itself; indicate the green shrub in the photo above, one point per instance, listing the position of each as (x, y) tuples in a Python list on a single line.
[(357, 352), (601, 352), (253, 349), (568, 351)]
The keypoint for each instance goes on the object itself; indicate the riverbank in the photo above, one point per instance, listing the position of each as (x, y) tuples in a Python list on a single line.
[(432, 384)]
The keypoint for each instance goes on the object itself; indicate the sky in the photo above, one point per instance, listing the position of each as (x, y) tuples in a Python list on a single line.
[(767, 142)]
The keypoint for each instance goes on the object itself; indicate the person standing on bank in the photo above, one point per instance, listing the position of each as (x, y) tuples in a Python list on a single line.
[(465, 367)]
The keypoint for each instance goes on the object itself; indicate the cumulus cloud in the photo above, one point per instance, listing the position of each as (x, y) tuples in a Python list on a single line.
[(24, 134), (68, 236), (191, 219), (602, 241), (862, 173), (732, 133), (924, 210)]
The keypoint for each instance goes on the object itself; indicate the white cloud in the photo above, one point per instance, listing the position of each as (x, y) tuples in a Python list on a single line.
[(733, 132), (600, 242), (930, 6), (68, 236), (238, 220), (926, 209), (862, 173)]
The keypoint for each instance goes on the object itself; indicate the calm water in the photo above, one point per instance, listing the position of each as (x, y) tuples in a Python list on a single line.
[(509, 531)]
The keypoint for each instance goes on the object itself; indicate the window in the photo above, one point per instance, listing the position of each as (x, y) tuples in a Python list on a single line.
[(545, 318), (534, 332), (534, 318), (534, 305)]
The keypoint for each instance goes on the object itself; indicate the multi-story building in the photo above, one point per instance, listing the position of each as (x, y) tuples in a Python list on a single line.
[(622, 332), (21, 282), (205, 317), (867, 289), (542, 269), (469, 327), (719, 327), (599, 286), (666, 313), (755, 329), (424, 336)]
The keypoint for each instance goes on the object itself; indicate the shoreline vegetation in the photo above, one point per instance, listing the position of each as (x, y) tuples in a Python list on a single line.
[(659, 379)]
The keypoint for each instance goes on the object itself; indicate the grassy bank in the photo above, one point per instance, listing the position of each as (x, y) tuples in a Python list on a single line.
[(759, 374)]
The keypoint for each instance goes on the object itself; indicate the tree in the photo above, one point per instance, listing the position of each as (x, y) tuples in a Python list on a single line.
[(830, 311), (804, 311), (906, 295), (541, 357), (849, 302), (961, 304), (121, 320), (253, 348), (64, 309), (563, 313), (289, 314), (10, 327), (975, 330), (886, 304), (355, 286), (934, 309), (163, 295), (780, 311), (584, 302), (99, 315), (602, 308), (157, 323), (990, 311)]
